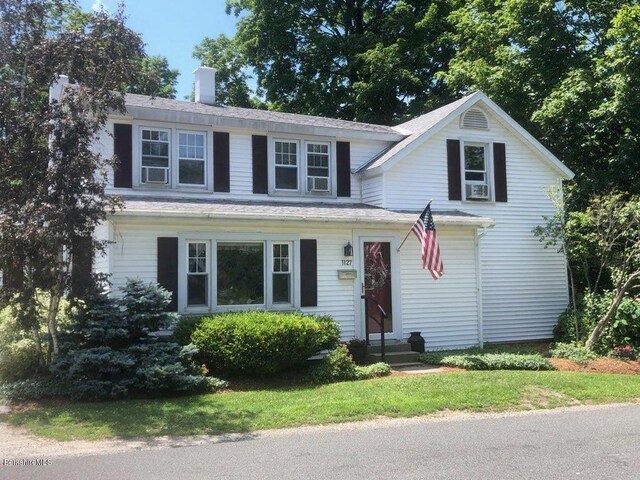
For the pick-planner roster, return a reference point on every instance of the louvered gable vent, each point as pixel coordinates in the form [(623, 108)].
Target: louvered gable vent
[(475, 118)]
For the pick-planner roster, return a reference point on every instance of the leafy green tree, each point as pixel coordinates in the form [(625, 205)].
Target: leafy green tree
[(367, 60), (155, 78), (567, 71), (224, 55), (51, 181), (603, 243)]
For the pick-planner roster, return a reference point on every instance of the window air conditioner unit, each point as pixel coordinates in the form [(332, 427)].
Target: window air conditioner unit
[(477, 191), (318, 184), (155, 175)]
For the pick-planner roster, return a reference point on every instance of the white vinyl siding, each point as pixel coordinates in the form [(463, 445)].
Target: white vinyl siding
[(446, 310), (524, 285)]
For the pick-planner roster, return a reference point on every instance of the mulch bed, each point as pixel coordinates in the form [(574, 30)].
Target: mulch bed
[(601, 365)]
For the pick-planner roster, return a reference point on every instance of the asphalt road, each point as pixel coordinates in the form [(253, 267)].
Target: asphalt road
[(593, 443)]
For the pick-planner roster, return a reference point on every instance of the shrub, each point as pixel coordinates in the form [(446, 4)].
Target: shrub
[(33, 389), (488, 361), (109, 353), (624, 329), (18, 361), (379, 369), (261, 343), (565, 330), (338, 366), (18, 356), (572, 351), (626, 352), (185, 327)]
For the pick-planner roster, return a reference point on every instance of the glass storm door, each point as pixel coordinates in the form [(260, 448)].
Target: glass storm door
[(377, 284)]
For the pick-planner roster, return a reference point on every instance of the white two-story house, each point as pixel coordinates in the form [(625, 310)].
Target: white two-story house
[(233, 208)]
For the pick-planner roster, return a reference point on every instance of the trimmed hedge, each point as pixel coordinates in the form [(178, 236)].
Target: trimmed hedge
[(488, 361), (262, 343)]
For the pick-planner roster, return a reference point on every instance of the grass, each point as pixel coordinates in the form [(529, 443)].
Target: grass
[(399, 396)]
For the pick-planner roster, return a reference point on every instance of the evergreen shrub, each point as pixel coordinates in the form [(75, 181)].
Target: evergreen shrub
[(262, 343), (109, 352)]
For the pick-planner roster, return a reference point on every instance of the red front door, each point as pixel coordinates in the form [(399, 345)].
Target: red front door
[(377, 284)]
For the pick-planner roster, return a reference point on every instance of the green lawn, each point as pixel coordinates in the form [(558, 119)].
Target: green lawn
[(399, 396)]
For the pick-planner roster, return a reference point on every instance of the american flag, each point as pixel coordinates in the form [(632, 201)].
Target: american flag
[(425, 230)]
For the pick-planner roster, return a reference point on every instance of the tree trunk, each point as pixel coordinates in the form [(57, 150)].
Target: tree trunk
[(38, 341), (52, 324), (611, 312)]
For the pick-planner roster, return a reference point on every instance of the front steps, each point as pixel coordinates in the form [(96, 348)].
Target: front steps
[(397, 354)]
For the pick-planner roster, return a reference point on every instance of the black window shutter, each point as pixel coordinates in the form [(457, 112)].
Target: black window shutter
[(500, 171), (308, 273), (81, 266), (168, 268), (122, 143), (260, 167), (453, 169), (221, 162), (343, 168)]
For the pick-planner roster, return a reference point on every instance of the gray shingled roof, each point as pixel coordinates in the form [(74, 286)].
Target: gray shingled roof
[(416, 128), (287, 211), (143, 101)]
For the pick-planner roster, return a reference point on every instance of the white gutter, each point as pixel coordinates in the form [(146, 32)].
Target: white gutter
[(480, 307)]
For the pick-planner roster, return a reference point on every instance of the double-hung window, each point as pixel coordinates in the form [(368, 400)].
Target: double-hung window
[(317, 167), (155, 164), (170, 157), (191, 158), (286, 165), (476, 170), (281, 273), (197, 274)]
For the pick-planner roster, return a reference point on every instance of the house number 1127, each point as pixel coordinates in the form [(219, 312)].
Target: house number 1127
[(347, 262)]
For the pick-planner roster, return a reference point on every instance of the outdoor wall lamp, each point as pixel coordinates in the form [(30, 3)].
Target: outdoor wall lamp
[(348, 250)]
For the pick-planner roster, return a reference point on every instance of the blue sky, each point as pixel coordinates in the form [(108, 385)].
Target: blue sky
[(173, 29)]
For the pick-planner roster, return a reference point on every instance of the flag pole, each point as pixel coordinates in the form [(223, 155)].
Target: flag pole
[(411, 229)]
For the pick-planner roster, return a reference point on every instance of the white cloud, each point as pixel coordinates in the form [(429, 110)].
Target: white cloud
[(98, 5)]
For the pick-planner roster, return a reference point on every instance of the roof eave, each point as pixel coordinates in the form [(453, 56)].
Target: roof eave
[(251, 217), (209, 119)]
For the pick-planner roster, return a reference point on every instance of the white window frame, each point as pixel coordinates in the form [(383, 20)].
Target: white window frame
[(213, 238), (205, 160), (329, 165), (270, 299), (298, 166), (141, 167), (208, 272), (302, 165), (488, 163), (173, 130)]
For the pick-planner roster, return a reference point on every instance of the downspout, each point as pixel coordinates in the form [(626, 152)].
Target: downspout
[(478, 237)]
